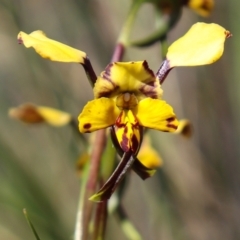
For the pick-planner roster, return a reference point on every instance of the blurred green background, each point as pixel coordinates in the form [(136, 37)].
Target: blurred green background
[(196, 195)]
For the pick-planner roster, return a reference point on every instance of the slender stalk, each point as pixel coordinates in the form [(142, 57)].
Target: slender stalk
[(30, 224), (91, 184), (118, 52), (127, 27), (100, 221), (91, 75), (85, 206)]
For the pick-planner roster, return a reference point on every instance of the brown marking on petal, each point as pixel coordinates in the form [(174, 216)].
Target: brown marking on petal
[(149, 91), (107, 72), (136, 124), (170, 119), (125, 141), (106, 76), (206, 5), (169, 124), (150, 94), (106, 92), (20, 41), (145, 65), (152, 83), (118, 122), (228, 34), (134, 143), (87, 125), (172, 126), (187, 130)]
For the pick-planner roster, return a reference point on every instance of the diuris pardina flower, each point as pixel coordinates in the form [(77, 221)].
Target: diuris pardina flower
[(128, 94)]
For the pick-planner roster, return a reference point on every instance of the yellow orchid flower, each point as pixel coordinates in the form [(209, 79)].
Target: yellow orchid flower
[(128, 97), (30, 113)]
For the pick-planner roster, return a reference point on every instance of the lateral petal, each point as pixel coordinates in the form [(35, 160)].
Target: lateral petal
[(50, 49), (156, 114), (202, 44), (97, 114)]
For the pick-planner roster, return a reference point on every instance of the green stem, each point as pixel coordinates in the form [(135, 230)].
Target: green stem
[(164, 47), (127, 27), (30, 224), (88, 187), (80, 228), (100, 221)]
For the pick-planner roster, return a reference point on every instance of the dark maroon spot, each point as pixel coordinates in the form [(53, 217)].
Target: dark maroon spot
[(107, 72), (20, 41), (87, 125), (118, 121), (171, 126), (149, 91), (145, 65), (152, 83), (170, 119), (228, 34), (135, 143), (124, 143)]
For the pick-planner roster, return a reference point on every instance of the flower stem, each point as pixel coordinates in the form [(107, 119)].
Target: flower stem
[(127, 27), (118, 52), (100, 221), (91, 180)]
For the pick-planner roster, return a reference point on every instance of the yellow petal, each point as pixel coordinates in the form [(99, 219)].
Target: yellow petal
[(134, 77), (53, 116), (202, 44), (30, 113), (51, 49), (156, 114), (26, 113), (148, 156), (97, 114), (202, 7)]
